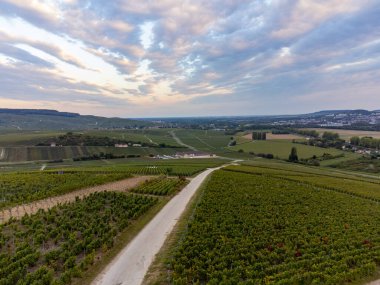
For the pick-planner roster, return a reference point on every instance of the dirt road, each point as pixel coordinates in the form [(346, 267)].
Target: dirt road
[(132, 263), (31, 208)]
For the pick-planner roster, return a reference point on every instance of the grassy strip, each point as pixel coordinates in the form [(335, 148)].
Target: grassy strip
[(122, 240), (157, 272)]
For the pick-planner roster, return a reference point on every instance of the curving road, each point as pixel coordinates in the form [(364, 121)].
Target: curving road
[(132, 263)]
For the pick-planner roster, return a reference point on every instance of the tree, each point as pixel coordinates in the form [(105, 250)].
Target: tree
[(355, 140), (330, 136), (293, 157)]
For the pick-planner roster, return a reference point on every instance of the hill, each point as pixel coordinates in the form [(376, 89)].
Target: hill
[(33, 119)]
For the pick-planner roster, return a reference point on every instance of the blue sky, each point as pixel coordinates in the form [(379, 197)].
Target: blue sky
[(188, 58)]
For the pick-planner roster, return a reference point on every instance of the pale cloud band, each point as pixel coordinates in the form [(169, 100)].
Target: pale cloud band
[(158, 58)]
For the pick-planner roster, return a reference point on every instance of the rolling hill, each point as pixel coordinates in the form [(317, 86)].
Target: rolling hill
[(33, 119)]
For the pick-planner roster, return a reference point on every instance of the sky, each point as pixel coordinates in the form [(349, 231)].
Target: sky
[(166, 58)]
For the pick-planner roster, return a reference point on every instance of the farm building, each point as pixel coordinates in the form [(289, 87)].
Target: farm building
[(193, 154), (121, 145)]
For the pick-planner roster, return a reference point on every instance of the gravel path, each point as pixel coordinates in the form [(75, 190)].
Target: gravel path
[(132, 263), (31, 208)]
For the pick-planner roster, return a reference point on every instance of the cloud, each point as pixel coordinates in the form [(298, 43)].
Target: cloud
[(189, 57)]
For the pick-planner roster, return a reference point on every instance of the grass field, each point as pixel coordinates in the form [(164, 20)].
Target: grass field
[(281, 148), (252, 225)]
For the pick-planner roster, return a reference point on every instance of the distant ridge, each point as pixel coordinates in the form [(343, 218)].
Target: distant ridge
[(45, 119), (46, 112), (328, 112)]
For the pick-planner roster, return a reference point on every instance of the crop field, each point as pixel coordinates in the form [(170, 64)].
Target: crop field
[(25, 138), (19, 154), (258, 228), (204, 140), (136, 165), (347, 134), (160, 186), (59, 245), (369, 189), (281, 148), (361, 164), (157, 136), (19, 188), (271, 136)]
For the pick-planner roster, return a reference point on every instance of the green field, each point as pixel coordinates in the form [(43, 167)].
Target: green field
[(19, 154), (281, 148), (59, 245), (25, 187), (21, 146), (255, 225), (20, 188), (204, 140)]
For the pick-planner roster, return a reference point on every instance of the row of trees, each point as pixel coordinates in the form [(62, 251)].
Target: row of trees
[(368, 142), (261, 136)]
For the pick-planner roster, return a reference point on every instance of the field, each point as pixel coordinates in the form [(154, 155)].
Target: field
[(19, 188), (21, 146), (361, 164), (60, 245), (56, 246), (162, 186), (347, 134), (45, 153), (281, 148), (271, 136), (259, 225), (204, 140)]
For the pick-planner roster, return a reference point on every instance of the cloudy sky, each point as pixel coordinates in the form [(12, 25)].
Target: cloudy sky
[(180, 58)]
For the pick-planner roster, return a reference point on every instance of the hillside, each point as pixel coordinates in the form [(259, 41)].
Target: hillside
[(33, 119)]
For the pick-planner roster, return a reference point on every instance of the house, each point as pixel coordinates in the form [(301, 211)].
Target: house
[(53, 144)]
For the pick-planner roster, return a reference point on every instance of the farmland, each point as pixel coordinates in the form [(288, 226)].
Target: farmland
[(162, 186), (347, 134), (60, 245), (281, 148), (25, 187), (204, 140), (252, 226), (45, 153), (56, 246), (19, 188)]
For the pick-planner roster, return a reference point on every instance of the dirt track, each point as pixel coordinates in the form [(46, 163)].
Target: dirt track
[(31, 208)]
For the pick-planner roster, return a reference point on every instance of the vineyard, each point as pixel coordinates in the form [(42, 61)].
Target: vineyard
[(354, 186), (161, 186), (259, 228), (18, 188), (57, 245)]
